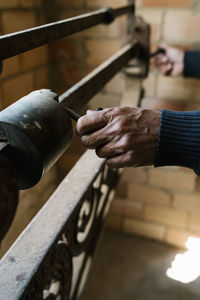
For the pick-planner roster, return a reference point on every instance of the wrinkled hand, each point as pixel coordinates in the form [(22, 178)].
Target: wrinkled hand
[(125, 136), (172, 62)]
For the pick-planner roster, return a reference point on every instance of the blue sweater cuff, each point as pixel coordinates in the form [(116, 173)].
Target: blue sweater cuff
[(192, 64), (179, 140)]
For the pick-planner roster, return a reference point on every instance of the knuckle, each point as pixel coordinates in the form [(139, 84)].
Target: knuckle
[(130, 157), (80, 126), (117, 128), (125, 143), (86, 141), (116, 110)]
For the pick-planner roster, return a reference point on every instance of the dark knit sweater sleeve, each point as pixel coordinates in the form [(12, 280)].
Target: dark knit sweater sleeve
[(179, 140), (192, 64)]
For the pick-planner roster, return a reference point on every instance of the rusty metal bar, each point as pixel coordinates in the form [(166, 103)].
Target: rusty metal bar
[(21, 41), (124, 10), (78, 95)]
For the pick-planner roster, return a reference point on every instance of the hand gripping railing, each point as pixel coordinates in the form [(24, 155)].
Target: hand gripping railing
[(51, 258)]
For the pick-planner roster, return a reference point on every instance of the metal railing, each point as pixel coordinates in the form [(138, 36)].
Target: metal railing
[(51, 258), (19, 42), (52, 255), (90, 85)]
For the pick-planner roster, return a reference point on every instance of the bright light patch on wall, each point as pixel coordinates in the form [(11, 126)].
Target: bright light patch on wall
[(186, 267)]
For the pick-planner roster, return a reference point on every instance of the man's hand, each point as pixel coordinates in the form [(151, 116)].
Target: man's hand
[(172, 62), (125, 136)]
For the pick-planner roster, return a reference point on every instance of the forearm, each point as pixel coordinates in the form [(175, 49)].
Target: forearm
[(192, 64), (179, 140)]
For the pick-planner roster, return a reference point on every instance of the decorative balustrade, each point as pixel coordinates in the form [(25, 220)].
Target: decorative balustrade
[(53, 253), (52, 256)]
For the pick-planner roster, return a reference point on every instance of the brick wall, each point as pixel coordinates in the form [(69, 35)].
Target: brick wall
[(164, 203)]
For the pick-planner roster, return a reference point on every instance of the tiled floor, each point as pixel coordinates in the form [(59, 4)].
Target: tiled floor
[(132, 268)]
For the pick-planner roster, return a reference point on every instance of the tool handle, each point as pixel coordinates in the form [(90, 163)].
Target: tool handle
[(73, 114), (162, 51), (159, 51)]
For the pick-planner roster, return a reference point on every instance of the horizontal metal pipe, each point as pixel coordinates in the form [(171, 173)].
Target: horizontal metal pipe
[(21, 41), (124, 10), (78, 95)]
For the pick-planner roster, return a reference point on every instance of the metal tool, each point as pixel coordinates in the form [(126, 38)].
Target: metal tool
[(73, 114)]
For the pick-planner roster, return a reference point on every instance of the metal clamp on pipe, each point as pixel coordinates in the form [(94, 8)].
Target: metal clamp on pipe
[(37, 130), (110, 15)]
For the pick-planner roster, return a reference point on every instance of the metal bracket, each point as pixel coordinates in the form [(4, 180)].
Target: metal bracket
[(110, 15), (140, 31)]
